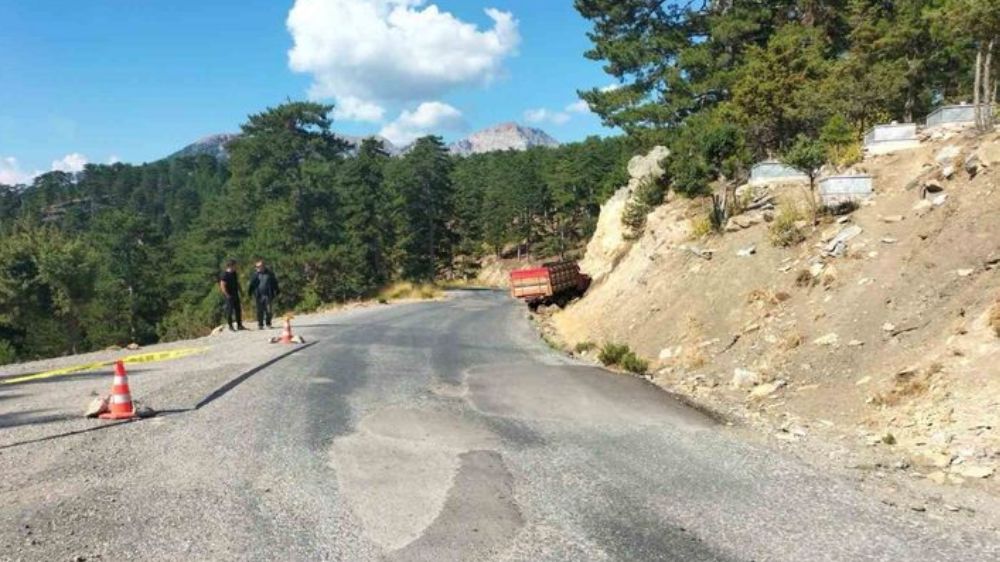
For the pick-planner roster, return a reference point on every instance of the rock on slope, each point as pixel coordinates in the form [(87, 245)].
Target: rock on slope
[(506, 136), (609, 244), (887, 347)]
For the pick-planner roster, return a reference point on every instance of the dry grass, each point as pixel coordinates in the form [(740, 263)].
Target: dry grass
[(701, 227), (805, 279), (791, 341), (995, 318), (767, 296), (693, 354), (405, 290), (693, 358), (758, 295), (908, 384)]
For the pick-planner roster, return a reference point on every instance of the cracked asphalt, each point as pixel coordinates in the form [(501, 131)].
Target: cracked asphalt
[(437, 431)]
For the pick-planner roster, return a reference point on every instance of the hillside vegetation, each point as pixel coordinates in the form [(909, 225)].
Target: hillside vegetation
[(124, 253), (119, 254)]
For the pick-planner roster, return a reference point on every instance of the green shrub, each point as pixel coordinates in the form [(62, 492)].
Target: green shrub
[(783, 231), (612, 354), (7, 354), (841, 142), (310, 302), (619, 355), (648, 196), (634, 364), (584, 346)]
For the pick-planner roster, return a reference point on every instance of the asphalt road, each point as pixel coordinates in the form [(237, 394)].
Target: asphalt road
[(430, 431)]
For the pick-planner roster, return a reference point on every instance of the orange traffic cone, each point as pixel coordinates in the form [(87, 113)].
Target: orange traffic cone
[(286, 334), (121, 397)]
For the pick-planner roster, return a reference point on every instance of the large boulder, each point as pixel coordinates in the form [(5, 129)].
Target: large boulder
[(947, 154), (650, 166), (989, 153), (610, 244)]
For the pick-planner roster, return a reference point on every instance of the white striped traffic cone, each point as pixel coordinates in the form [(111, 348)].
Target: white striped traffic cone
[(121, 397)]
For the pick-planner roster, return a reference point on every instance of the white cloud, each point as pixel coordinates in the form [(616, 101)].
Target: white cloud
[(542, 115), (11, 173), (428, 118), (113, 159), (71, 163), (355, 109), (365, 53)]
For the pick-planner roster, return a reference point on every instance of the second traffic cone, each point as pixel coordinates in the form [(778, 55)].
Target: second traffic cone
[(121, 398), (286, 334)]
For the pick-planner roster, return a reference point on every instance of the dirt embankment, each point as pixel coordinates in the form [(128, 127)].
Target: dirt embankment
[(883, 348)]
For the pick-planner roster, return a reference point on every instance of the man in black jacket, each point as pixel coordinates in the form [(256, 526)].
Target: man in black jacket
[(229, 284), (264, 288)]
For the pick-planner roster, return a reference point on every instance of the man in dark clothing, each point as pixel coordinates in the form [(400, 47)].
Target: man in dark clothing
[(229, 284), (264, 288)]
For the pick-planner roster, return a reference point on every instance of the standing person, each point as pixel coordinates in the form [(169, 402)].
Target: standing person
[(229, 284), (264, 288)]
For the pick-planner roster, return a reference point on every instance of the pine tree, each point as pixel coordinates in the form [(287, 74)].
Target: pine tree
[(978, 22), (365, 221), (424, 197), (778, 91), (46, 281)]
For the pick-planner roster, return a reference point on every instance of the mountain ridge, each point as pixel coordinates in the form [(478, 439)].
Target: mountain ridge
[(501, 137), (504, 136)]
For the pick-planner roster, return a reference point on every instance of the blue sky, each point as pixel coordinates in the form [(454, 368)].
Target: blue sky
[(137, 79)]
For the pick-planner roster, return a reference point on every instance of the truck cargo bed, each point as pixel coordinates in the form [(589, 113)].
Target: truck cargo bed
[(539, 284)]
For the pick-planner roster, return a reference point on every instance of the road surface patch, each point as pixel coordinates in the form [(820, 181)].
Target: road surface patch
[(397, 470), (479, 518)]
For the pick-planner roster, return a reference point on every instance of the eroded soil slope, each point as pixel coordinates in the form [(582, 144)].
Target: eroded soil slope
[(881, 348)]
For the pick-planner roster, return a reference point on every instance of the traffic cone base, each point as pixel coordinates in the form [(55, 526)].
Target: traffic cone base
[(122, 416), (286, 334)]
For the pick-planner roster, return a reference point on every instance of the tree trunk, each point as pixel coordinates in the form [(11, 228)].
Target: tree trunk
[(987, 89), (977, 87), (993, 97), (131, 314)]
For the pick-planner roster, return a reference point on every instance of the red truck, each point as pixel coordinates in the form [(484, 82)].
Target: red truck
[(552, 283)]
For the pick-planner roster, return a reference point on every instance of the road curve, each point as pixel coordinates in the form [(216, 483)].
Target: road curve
[(430, 431)]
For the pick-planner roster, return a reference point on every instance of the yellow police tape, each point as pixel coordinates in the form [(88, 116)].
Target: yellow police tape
[(141, 358)]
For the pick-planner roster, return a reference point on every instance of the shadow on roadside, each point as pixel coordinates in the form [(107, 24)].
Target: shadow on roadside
[(215, 395), (18, 419)]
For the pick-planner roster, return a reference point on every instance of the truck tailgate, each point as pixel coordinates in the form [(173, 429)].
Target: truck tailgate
[(531, 283)]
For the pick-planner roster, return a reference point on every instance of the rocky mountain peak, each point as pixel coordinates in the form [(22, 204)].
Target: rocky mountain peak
[(505, 136)]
